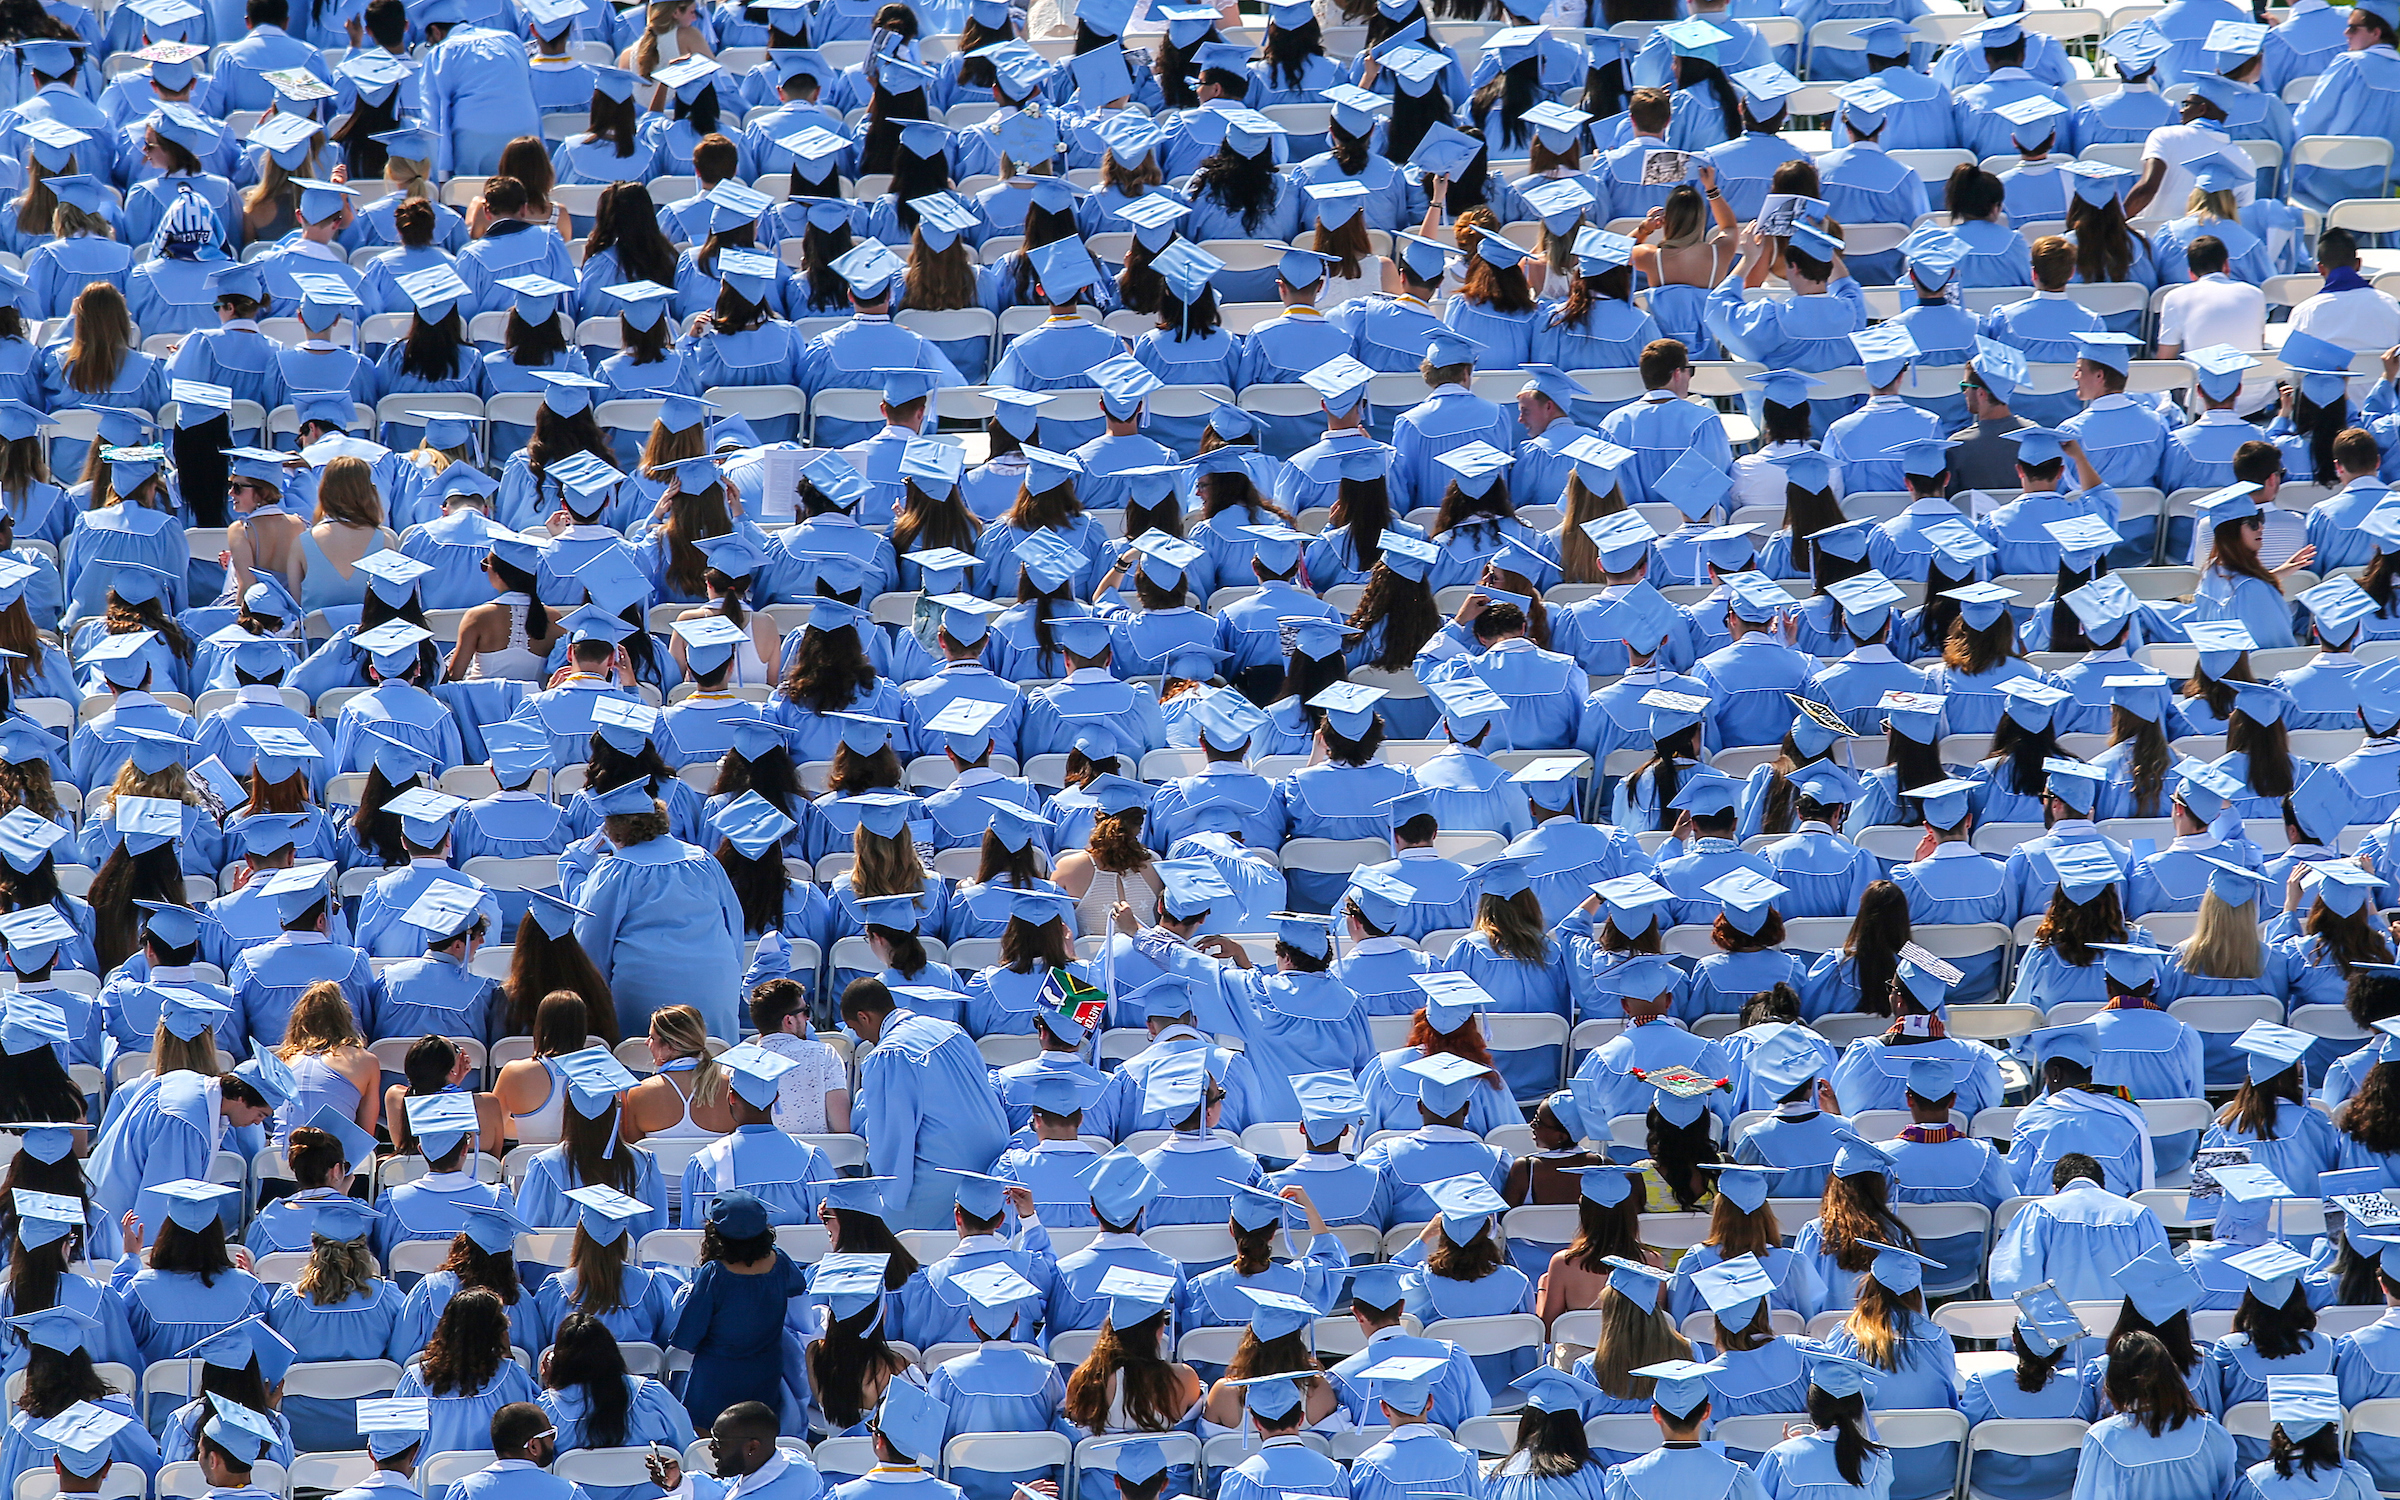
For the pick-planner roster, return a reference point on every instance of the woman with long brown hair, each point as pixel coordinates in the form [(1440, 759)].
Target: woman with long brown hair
[(2107, 246), (1128, 1383), (2236, 585), (626, 247), (434, 356), (2150, 1431), (2269, 1113), (603, 1280), (1608, 1227), (2085, 909), (1275, 1341), (1694, 246), (467, 1363), (1112, 869), (99, 364), (1854, 1224), (548, 960), (1511, 953), (1397, 614), (149, 823), (2138, 756), (612, 149)]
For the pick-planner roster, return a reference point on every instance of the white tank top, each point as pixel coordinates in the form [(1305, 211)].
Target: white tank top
[(516, 661), (547, 1124)]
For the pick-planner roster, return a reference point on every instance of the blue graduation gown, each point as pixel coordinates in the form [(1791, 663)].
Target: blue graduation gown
[(785, 1173), (664, 928), (365, 1325)]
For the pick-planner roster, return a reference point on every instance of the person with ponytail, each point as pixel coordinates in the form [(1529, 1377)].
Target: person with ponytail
[(1838, 1460)]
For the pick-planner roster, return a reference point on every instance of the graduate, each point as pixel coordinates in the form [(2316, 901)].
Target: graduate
[(1682, 1401), (997, 1389), (1415, 1457), (336, 1311), (784, 1173), (602, 1284), (925, 1102), (1838, 1458), (448, 1199), (2043, 1382), (1755, 1369)]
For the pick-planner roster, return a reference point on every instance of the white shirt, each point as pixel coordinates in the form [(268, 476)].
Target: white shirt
[(2358, 320), (2178, 146), (2216, 309)]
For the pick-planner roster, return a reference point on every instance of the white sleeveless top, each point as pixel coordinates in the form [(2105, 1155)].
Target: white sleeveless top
[(547, 1124), (517, 661)]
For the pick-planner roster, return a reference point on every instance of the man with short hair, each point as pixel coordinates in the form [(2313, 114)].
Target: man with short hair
[(2346, 310), (1376, 1301), (231, 1444), (524, 1445), (2336, 525), (2213, 308), (748, 1460), (2078, 1238), (513, 237), (925, 1102), (1416, 1461), (1665, 423), (1681, 1464)]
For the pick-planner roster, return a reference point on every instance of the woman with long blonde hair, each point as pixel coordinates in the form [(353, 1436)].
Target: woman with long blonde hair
[(687, 1098), (2227, 955), (670, 30), (271, 208), (331, 1066), (1637, 1329)]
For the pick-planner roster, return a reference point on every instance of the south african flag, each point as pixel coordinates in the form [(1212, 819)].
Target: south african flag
[(1080, 1002)]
